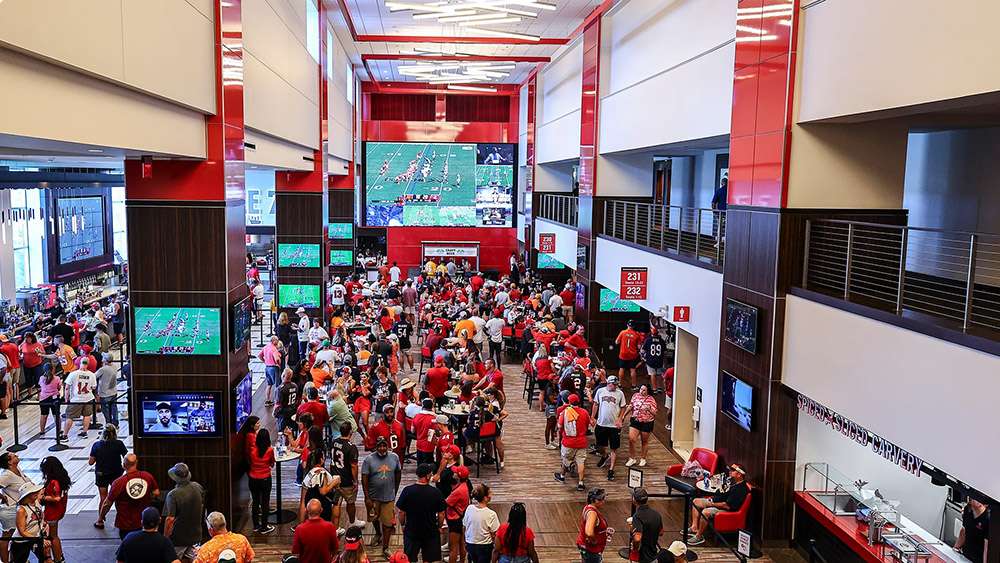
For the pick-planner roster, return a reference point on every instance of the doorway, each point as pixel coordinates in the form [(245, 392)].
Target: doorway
[(685, 388), (661, 181)]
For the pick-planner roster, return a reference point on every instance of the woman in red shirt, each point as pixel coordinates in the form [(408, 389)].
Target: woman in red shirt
[(54, 498), (594, 531), (32, 352), (515, 542), (261, 462), (456, 503)]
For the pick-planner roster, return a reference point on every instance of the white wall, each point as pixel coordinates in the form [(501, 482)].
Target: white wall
[(565, 240), (625, 175), (670, 72), (920, 501), (672, 282), (521, 224), (558, 106), (340, 108), (554, 177), (894, 54), (282, 82), (926, 395)]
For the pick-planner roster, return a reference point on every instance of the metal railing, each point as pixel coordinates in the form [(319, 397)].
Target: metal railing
[(559, 208), (694, 232), (950, 275)]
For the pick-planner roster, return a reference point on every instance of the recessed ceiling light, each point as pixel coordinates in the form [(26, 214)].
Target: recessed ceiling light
[(95, 150)]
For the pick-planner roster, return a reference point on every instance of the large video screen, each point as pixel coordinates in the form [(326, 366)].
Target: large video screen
[(191, 414), (737, 400), (244, 400), (292, 295), (611, 302), (298, 255), (741, 325), (341, 257), (81, 235), (548, 262), (340, 231), (185, 331), (439, 184), (242, 321)]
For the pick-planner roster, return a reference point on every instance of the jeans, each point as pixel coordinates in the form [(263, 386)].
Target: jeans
[(588, 557), (109, 406), (260, 501), (479, 552), (496, 350), (303, 348)]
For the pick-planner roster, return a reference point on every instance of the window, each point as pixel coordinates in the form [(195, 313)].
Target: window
[(350, 81), (312, 29), (27, 238), (329, 55), (118, 224)]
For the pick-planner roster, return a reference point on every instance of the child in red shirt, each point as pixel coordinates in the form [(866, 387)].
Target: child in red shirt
[(54, 498)]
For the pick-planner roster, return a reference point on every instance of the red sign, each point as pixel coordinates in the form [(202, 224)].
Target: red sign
[(547, 243), (682, 313), (634, 282)]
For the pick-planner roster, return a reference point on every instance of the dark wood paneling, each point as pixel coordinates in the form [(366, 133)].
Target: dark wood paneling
[(737, 246), (762, 252), (782, 423), (177, 248), (341, 205), (300, 214), (474, 109)]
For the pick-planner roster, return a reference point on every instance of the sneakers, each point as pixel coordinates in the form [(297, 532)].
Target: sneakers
[(580, 486), (603, 461), (359, 523), (630, 462), (266, 529), (559, 477), (611, 474), (697, 540), (642, 462), (341, 532), (551, 447)]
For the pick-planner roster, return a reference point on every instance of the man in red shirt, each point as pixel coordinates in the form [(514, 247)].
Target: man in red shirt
[(544, 336), (476, 281), (390, 429), (568, 295), (314, 407), (575, 341), (13, 357), (425, 429), (628, 342), (492, 377), (315, 540), (436, 382), (131, 494), (572, 423)]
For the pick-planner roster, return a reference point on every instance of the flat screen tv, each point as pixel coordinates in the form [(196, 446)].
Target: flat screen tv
[(244, 399), (193, 414), (242, 320), (340, 231), (298, 255), (294, 296), (737, 400), (611, 302), (439, 184), (183, 331), (741, 325), (341, 257), (549, 262), (81, 228)]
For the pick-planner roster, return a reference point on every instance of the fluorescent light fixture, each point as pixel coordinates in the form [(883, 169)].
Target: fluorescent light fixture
[(487, 74), (495, 8), (95, 150), (476, 17), (471, 88), (435, 15), (400, 6), (756, 38), (534, 5), (498, 33), (493, 21)]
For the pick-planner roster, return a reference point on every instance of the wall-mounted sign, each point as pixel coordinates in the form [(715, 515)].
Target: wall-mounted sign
[(547, 243), (854, 431), (682, 314), (451, 251), (582, 257), (634, 281)]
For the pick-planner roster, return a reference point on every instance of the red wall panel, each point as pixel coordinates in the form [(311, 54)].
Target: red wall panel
[(477, 108), (438, 132), (402, 107), (495, 245)]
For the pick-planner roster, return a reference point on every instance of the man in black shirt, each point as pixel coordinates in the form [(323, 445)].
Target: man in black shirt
[(344, 464), (288, 401), (63, 329), (975, 530), (705, 509), (147, 545), (421, 512), (383, 390), (647, 525)]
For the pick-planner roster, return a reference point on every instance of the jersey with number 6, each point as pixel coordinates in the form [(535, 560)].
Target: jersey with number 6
[(343, 457), (80, 386)]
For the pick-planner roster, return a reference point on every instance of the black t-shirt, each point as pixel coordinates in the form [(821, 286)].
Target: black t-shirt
[(976, 532), (344, 456), (108, 456), (288, 398), (734, 497), (383, 392), (648, 522), (392, 293), (403, 329), (421, 503), (146, 547), (384, 348), (64, 330)]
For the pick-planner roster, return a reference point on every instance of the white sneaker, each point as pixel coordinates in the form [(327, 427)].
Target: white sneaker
[(552, 446), (359, 523), (630, 462), (642, 462)]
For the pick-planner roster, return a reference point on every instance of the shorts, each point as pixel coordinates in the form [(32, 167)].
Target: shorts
[(425, 457), (49, 406), (405, 345), (571, 455), (608, 436), (658, 372), (105, 479), (428, 545), (349, 494), (8, 517), (709, 512), (17, 376), (385, 512), (271, 373), (641, 426), (409, 310), (74, 412), (455, 526), (185, 552), (628, 364)]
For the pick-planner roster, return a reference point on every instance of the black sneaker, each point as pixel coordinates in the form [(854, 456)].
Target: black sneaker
[(3, 416), (603, 461), (559, 477), (580, 486), (611, 475)]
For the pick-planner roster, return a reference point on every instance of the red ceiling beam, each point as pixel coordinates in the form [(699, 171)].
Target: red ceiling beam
[(470, 58)]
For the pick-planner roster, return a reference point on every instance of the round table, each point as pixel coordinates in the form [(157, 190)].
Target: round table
[(452, 394), (280, 515), (710, 489)]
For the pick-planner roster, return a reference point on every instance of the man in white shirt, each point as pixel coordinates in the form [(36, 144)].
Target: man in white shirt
[(79, 386), (303, 331), (494, 329), (338, 293), (607, 415), (395, 272), (502, 296), (555, 302), (257, 289)]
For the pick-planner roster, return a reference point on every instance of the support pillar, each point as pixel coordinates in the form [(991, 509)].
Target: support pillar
[(186, 241)]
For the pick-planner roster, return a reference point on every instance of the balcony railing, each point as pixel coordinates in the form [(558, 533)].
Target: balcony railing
[(948, 275), (685, 231), (559, 208)]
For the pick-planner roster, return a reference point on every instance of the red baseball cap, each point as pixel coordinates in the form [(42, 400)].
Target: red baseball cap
[(399, 557), (574, 399), (460, 471)]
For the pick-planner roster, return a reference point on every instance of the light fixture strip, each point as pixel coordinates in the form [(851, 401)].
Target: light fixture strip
[(510, 34), (493, 21)]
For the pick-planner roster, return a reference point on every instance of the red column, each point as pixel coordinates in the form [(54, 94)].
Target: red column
[(590, 103), (529, 184)]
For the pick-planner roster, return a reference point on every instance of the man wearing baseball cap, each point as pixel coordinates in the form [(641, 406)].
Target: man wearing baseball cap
[(572, 423), (147, 545), (704, 509), (676, 552), (608, 414)]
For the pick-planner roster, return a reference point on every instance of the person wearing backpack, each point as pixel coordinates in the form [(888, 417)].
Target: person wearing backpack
[(319, 484), (572, 423)]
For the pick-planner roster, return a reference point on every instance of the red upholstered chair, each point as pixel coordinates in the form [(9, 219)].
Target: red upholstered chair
[(728, 522), (425, 356), (705, 457)]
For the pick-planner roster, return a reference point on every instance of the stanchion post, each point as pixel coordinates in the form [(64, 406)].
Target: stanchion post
[(94, 425), (17, 446), (58, 446)]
